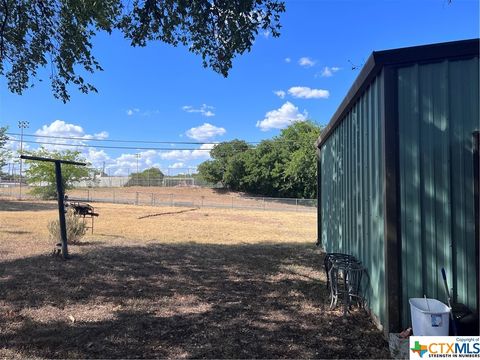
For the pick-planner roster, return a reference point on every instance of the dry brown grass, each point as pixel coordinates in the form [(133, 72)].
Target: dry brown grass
[(197, 284), (24, 224)]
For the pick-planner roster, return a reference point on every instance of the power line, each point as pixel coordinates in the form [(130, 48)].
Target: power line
[(124, 141), (110, 147)]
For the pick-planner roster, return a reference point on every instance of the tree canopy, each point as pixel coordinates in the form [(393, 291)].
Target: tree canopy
[(148, 177), (284, 166), (221, 168), (3, 153), (59, 33), (41, 174)]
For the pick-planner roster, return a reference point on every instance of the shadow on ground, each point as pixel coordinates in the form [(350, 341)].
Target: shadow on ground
[(7, 205), (187, 300)]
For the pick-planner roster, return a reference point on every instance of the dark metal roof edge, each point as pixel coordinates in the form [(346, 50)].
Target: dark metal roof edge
[(396, 57)]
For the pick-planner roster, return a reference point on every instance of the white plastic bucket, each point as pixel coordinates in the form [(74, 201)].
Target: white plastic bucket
[(429, 320)]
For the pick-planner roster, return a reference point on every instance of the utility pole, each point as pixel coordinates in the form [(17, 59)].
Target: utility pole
[(22, 125), (138, 157)]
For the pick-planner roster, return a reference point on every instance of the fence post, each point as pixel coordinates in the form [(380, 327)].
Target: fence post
[(296, 204), (88, 194), (232, 201), (136, 198), (263, 203), (171, 199), (114, 200), (153, 200)]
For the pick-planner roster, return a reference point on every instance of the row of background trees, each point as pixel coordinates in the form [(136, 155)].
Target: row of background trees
[(284, 166)]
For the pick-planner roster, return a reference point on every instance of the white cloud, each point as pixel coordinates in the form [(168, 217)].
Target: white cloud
[(181, 155), (329, 71), (204, 110), (130, 112), (99, 136), (282, 117), (186, 155), (280, 93), (63, 129), (202, 152), (60, 128), (150, 112), (306, 62), (96, 157), (116, 164), (13, 144), (266, 34), (12, 147), (119, 165), (287, 60), (177, 165), (305, 92), (127, 163), (205, 132), (137, 111)]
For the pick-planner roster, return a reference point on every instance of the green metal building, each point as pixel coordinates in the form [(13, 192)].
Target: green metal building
[(397, 181)]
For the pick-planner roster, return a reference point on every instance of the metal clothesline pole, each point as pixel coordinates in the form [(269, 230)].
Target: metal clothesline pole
[(60, 195)]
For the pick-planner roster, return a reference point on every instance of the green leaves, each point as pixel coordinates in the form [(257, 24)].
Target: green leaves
[(211, 171), (215, 30), (221, 169), (148, 177), (41, 174), (58, 34), (284, 166), (3, 153)]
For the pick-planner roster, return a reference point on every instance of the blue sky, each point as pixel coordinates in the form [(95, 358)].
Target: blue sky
[(162, 93)]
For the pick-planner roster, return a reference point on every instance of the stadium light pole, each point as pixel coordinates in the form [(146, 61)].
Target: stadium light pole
[(22, 125)]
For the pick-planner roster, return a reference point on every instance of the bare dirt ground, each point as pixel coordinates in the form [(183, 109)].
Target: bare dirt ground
[(197, 284), (176, 190)]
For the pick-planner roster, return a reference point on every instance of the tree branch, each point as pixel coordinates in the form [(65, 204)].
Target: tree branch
[(2, 30)]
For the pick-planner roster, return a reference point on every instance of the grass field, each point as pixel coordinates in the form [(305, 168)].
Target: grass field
[(183, 283)]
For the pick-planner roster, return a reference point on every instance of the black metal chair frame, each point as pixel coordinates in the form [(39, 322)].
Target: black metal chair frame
[(344, 276), (330, 258)]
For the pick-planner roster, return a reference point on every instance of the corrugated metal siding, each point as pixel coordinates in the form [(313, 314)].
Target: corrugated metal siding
[(438, 111), (352, 181)]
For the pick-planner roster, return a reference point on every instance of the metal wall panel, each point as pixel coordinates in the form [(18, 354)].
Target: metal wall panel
[(438, 109), (352, 182)]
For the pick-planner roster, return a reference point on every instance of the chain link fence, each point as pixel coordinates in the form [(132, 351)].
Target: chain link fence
[(180, 198), (171, 190), (166, 181)]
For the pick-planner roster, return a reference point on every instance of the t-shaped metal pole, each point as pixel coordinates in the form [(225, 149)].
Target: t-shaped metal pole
[(60, 195)]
